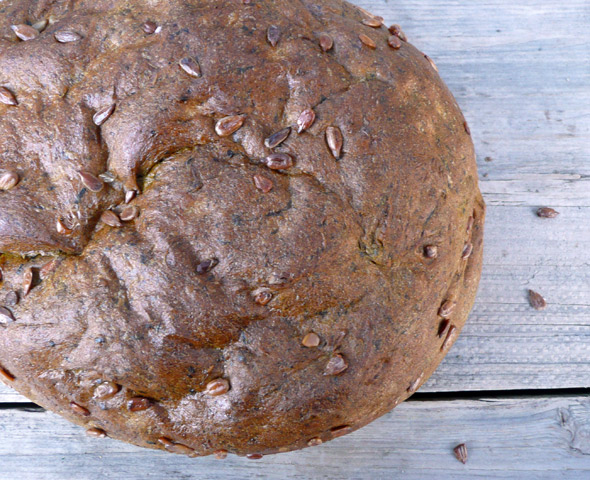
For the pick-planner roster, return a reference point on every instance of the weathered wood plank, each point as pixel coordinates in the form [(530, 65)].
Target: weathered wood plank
[(521, 73), (526, 438)]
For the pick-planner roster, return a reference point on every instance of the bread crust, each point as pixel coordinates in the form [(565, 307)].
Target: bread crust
[(188, 327)]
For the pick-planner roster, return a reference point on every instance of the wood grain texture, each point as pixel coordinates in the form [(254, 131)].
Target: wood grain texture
[(526, 438)]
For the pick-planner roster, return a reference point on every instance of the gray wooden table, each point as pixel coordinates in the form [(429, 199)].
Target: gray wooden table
[(516, 386)]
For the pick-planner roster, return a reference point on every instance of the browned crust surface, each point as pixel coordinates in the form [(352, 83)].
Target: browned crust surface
[(337, 245)]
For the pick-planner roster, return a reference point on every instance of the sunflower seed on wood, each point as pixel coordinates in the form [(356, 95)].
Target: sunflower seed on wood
[(536, 300), (461, 453), (326, 42), (277, 138), (374, 22), (129, 213), (91, 182), (279, 161), (28, 279), (96, 432), (7, 97), (111, 219), (190, 66), (228, 125), (130, 195), (451, 334), (394, 42), (467, 251), (398, 32), (6, 375), (79, 409), (6, 315), (67, 36), (334, 141), (305, 120), (40, 25), (103, 114), (273, 34), (336, 365), (368, 41), (446, 308), (217, 387), (149, 27), (433, 65), (547, 212), (25, 32), (8, 180), (11, 299), (61, 228), (263, 183)]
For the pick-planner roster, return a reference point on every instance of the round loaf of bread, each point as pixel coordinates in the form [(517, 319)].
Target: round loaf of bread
[(227, 226)]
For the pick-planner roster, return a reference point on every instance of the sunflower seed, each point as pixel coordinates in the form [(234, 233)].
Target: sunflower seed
[(536, 300), (310, 340), (335, 365), (67, 36), (79, 409), (446, 308), (6, 375), (206, 266), (305, 120), (25, 32), (544, 212), (451, 334), (228, 125), (430, 251), (394, 42), (279, 161), (91, 182), (277, 138), (8, 180), (6, 315), (374, 22), (106, 390), (443, 327), (103, 114), (137, 404), (220, 454), (433, 65), (334, 141), (96, 432), (342, 430), (11, 299), (326, 42), (40, 25), (461, 453), (130, 195), (262, 296), (129, 213), (61, 228), (467, 251), (263, 183), (217, 387), (190, 66), (28, 278), (7, 97), (149, 27), (398, 32), (368, 41), (314, 442), (111, 219), (415, 384), (273, 34)]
